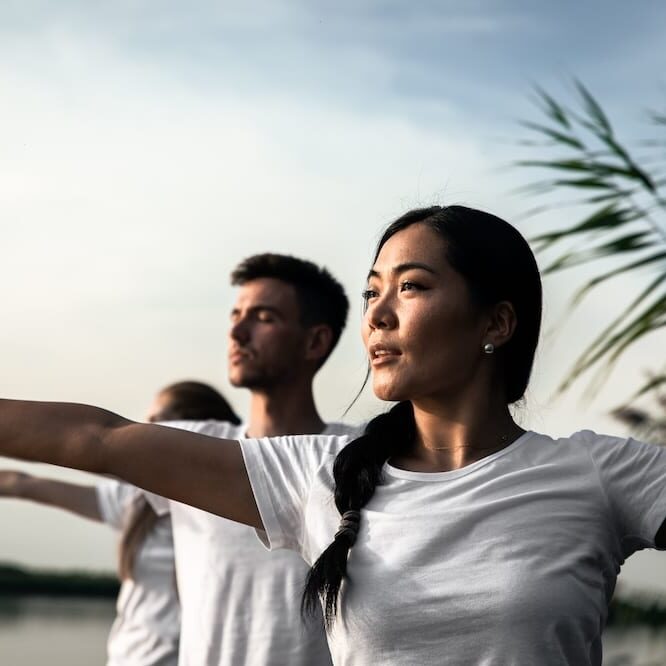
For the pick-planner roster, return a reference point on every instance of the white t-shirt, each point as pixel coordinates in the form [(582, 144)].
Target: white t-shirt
[(509, 561), (240, 604), (145, 631)]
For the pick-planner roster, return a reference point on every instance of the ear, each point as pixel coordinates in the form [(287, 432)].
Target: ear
[(318, 342), (501, 325)]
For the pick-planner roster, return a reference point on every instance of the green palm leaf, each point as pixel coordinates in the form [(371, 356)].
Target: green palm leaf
[(659, 258), (624, 218)]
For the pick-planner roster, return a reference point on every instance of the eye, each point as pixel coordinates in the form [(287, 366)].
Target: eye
[(408, 285), (367, 294), (265, 316)]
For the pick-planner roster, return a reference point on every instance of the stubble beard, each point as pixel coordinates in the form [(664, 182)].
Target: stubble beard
[(253, 381)]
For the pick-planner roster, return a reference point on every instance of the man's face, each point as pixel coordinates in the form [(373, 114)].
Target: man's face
[(266, 339), (160, 403)]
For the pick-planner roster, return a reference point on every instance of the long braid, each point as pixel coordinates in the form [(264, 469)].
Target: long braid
[(141, 520), (357, 471)]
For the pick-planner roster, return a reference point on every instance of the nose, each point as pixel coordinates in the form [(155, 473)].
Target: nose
[(239, 331), (380, 313)]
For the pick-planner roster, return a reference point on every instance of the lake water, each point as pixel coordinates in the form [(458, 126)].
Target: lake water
[(37, 631), (635, 647)]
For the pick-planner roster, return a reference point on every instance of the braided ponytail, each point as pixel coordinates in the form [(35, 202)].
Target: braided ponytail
[(357, 471)]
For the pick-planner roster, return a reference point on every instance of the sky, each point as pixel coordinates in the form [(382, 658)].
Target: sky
[(147, 147)]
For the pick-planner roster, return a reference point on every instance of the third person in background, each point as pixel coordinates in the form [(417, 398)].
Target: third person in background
[(147, 625)]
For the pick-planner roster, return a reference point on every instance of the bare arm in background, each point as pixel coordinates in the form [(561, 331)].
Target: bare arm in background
[(75, 498), (205, 472)]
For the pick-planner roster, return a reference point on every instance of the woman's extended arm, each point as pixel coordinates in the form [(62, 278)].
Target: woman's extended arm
[(203, 471), (78, 499)]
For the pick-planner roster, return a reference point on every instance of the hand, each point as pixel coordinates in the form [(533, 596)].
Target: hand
[(10, 482)]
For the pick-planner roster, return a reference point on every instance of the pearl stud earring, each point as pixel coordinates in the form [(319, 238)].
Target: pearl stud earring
[(489, 348)]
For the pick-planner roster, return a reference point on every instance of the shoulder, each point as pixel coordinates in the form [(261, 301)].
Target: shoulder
[(290, 453), (611, 456), (589, 438), (581, 442), (344, 429), (582, 449), (320, 445), (604, 446), (221, 429), (114, 499), (117, 491)]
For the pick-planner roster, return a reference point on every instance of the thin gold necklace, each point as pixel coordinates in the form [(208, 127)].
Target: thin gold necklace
[(503, 439)]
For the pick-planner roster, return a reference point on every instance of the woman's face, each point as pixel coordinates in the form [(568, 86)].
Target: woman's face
[(423, 334)]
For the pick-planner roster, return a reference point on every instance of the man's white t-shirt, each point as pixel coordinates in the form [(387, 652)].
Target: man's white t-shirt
[(511, 560), (240, 604), (145, 631)]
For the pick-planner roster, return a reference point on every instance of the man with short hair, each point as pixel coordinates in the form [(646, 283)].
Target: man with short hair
[(240, 603)]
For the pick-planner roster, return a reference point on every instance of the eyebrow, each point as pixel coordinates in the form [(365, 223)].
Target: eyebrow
[(401, 268), (255, 308)]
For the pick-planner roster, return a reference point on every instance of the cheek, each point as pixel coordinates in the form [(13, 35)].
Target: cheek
[(425, 330), (447, 338), (285, 346), (365, 332)]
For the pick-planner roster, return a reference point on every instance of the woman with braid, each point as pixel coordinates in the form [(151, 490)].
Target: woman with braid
[(445, 533), (147, 625)]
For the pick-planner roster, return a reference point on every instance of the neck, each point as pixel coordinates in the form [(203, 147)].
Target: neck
[(284, 410), (452, 436)]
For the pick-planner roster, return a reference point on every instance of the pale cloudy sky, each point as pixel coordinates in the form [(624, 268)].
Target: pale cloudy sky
[(146, 147)]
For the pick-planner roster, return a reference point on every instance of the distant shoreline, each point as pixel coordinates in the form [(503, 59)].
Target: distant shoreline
[(19, 581)]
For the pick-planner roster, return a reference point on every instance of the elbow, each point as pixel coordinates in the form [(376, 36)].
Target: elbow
[(100, 446)]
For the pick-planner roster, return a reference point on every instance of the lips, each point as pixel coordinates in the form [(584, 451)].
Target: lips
[(238, 355), (381, 353)]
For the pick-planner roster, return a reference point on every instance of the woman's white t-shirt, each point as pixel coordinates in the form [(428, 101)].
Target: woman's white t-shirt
[(511, 560), (147, 625)]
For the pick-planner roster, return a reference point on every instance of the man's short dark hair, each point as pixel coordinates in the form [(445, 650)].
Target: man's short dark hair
[(321, 298)]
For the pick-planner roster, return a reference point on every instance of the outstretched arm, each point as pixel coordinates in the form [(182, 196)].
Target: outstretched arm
[(203, 471), (78, 499)]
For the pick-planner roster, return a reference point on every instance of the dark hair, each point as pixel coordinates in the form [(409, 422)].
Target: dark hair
[(187, 401), (195, 401), (321, 298), (497, 265)]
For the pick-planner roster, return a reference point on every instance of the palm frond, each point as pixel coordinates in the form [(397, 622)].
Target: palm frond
[(594, 110), (629, 243), (551, 108), (645, 422), (606, 218), (653, 384), (660, 257), (620, 334), (555, 135), (624, 218)]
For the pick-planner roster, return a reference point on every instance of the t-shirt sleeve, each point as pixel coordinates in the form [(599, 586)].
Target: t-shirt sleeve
[(281, 471), (113, 501), (160, 505), (633, 478)]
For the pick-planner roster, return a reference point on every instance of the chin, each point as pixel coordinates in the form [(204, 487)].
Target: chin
[(389, 392), (241, 380), (235, 380)]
